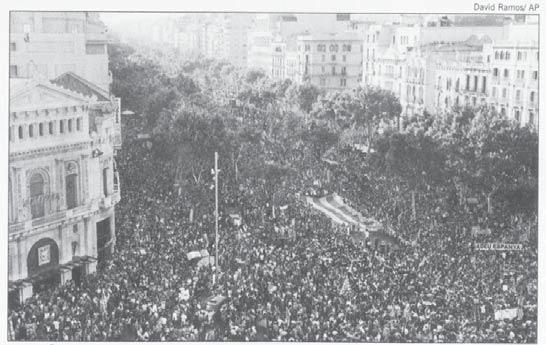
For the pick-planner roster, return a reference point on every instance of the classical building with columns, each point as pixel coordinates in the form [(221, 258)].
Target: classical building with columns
[(63, 183)]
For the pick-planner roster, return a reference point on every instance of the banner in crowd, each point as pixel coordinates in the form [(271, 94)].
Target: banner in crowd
[(509, 314), (477, 230), (498, 246)]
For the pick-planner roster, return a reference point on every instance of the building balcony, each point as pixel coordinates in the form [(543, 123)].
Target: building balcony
[(49, 219)]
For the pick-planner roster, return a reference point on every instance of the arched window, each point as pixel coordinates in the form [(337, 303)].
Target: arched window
[(70, 125), (41, 129), (50, 127), (37, 193), (71, 185), (30, 131), (75, 249), (20, 132), (502, 55)]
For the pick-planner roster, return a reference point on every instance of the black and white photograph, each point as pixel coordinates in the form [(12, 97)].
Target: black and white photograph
[(272, 176)]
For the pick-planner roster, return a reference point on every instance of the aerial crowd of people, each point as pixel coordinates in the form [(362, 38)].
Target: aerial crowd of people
[(320, 282)]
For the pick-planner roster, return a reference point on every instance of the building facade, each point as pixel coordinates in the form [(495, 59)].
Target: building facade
[(330, 61), (63, 184), (437, 68), (51, 43), (64, 131)]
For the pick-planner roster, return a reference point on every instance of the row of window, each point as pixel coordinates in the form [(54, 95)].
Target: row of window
[(504, 94), (505, 55), (47, 128), (332, 47), (342, 82), (343, 70), (332, 58)]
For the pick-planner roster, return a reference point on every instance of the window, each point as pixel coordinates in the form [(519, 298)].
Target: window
[(484, 84), (535, 75), (467, 83), (518, 95), (79, 124), (506, 73), (475, 83), (507, 55), (495, 72), (334, 48), (61, 126), (71, 185), (20, 132), (517, 115), (343, 82), (333, 70), (36, 185), (41, 129), (321, 47), (307, 47), (50, 127), (333, 58), (346, 47), (519, 55), (532, 96), (12, 46), (393, 39), (31, 131), (343, 70), (496, 55), (502, 55), (504, 93), (531, 117), (70, 125), (13, 73)]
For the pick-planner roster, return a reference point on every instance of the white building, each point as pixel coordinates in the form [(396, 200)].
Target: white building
[(51, 43), (330, 61), (62, 182)]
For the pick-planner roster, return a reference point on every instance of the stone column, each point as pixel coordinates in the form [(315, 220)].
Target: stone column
[(66, 275), (25, 291), (21, 258)]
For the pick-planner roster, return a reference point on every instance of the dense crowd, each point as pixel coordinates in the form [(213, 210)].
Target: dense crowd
[(321, 283)]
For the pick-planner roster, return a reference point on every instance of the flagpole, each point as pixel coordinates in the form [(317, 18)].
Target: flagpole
[(216, 213)]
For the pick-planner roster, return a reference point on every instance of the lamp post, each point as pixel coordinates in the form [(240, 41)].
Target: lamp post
[(216, 215)]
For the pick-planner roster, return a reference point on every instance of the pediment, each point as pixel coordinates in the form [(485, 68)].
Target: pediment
[(43, 96)]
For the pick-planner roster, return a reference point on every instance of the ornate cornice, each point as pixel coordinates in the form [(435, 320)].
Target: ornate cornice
[(45, 151)]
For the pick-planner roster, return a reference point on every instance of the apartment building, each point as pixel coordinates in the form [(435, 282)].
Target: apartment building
[(52, 43), (331, 61)]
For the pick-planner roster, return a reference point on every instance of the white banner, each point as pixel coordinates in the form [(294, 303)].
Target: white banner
[(499, 246), (44, 255), (506, 314)]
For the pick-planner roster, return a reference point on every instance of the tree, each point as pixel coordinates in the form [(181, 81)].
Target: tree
[(361, 108)]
